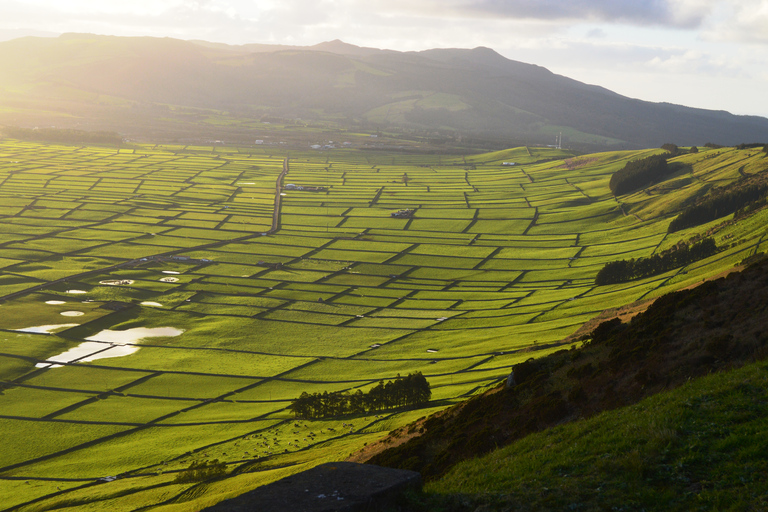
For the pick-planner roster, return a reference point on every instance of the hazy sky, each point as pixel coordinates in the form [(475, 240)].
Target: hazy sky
[(701, 53)]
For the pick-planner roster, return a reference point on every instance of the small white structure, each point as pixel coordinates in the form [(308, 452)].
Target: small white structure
[(508, 163)]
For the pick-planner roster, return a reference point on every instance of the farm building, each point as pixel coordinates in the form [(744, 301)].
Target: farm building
[(401, 214)]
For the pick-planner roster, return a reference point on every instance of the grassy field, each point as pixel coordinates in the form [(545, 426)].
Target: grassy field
[(495, 264)]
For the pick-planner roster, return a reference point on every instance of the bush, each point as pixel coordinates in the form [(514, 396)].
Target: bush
[(639, 173), (720, 203), (627, 270)]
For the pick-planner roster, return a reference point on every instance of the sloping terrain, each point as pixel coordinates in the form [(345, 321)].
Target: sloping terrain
[(125, 84), (697, 447), (688, 334)]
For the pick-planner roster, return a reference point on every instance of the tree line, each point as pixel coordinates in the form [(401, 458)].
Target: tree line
[(679, 256), (720, 202), (63, 135), (639, 173), (407, 391)]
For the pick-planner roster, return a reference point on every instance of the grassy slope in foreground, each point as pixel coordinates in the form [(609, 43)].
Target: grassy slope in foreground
[(699, 447)]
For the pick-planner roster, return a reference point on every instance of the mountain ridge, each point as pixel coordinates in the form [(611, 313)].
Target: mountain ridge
[(460, 92)]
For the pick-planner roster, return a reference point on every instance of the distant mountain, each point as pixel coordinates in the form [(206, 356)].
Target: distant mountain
[(477, 93)]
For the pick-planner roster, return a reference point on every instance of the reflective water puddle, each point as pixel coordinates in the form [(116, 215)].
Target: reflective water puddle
[(107, 343)]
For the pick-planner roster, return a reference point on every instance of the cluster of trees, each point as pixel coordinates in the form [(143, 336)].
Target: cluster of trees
[(751, 145), (638, 173), (672, 148), (720, 202), (410, 390), (63, 135), (681, 255)]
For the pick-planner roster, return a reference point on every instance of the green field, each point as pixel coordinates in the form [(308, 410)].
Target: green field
[(495, 265)]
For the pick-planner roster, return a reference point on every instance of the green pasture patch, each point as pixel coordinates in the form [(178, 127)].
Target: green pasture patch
[(364, 300), (152, 357), (369, 246), (393, 323), (561, 276), (254, 301), (422, 237), (380, 269), (416, 284), (202, 224), (448, 225), (512, 226), (459, 251), (140, 448), (468, 305), (355, 279), (319, 265), (400, 312), (288, 274), (125, 409), (343, 255), (89, 215), (45, 213), (227, 269), (377, 223), (291, 240), (541, 252), (31, 347), (505, 213), (27, 312), (58, 267), (23, 254), (310, 220), (286, 315), (526, 264), (427, 304), (364, 373), (230, 412), (219, 309), (34, 439), (333, 308), (203, 234), (445, 213), (225, 288), (418, 260), (257, 225)]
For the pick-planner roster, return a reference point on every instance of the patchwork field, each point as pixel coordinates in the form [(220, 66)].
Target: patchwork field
[(153, 317)]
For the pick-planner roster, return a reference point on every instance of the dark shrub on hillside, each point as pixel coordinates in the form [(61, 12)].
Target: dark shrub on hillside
[(720, 203), (750, 145), (627, 270), (672, 148), (639, 173)]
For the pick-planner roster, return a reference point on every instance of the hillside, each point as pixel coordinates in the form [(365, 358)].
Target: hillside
[(199, 89), (684, 335), (697, 447)]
